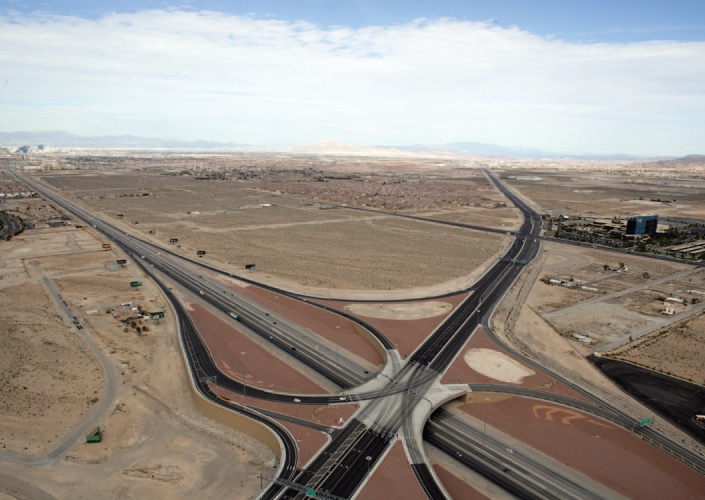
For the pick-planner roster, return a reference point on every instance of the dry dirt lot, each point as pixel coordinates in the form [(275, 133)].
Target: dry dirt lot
[(48, 377), (519, 320), (155, 443), (501, 217), (608, 193), (610, 313), (675, 350), (291, 239)]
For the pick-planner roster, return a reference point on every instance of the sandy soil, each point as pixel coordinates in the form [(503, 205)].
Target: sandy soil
[(517, 321), (155, 443), (330, 327), (401, 310), (500, 217), (44, 392), (308, 440), (496, 365), (312, 247), (50, 250), (676, 350), (607, 194), (499, 366)]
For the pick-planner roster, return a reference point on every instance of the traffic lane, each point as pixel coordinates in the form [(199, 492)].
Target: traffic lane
[(501, 475), (605, 452), (470, 440), (303, 349), (337, 368)]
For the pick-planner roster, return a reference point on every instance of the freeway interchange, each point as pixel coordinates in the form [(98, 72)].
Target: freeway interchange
[(388, 400)]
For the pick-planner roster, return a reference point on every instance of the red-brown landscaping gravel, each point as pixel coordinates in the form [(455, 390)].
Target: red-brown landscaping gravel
[(258, 367), (406, 335), (393, 479), (456, 487), (308, 440), (460, 372), (602, 451), (318, 320), (325, 415)]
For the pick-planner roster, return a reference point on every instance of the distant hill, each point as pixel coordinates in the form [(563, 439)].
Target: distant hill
[(691, 159), (679, 162), (472, 148), (325, 147), (336, 147), (68, 140), (484, 149)]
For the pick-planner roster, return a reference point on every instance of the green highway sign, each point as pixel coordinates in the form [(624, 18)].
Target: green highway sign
[(311, 492), (646, 421), (135, 284)]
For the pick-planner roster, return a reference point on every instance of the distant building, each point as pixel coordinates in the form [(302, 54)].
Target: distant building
[(642, 224)]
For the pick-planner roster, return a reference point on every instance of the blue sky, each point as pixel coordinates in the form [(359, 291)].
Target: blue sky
[(574, 20), (580, 77)]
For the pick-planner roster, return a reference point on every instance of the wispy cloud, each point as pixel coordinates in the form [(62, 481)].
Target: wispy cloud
[(216, 76)]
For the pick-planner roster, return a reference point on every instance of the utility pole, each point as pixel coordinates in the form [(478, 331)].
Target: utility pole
[(484, 427)]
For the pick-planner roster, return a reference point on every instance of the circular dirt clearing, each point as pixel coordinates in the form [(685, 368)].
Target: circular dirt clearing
[(407, 310), (496, 365)]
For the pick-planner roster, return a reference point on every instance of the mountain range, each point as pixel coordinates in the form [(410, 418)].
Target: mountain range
[(66, 139)]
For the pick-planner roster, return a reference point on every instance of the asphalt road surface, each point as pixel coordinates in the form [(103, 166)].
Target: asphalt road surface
[(677, 400), (343, 465)]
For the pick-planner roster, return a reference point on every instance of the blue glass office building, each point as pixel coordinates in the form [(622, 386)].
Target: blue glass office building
[(642, 224)]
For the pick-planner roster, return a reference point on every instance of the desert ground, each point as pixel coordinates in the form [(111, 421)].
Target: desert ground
[(288, 215), (40, 379), (298, 239), (676, 350), (608, 192), (155, 443)]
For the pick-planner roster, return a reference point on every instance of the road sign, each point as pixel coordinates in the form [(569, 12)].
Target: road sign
[(94, 436), (311, 492), (135, 284), (122, 261), (200, 252), (646, 421), (250, 266), (156, 315)]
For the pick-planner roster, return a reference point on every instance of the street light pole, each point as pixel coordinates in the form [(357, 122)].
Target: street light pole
[(368, 458), (337, 345), (244, 385), (484, 427)]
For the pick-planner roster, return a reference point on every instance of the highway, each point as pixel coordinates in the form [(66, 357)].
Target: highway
[(291, 339), (342, 466), (521, 474)]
